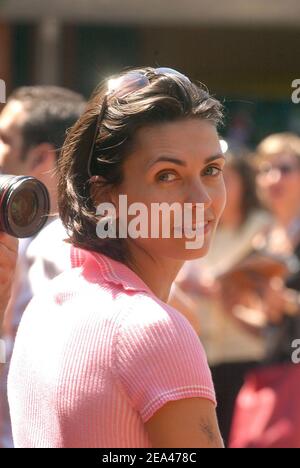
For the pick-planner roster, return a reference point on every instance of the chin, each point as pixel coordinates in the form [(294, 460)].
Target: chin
[(185, 256), (178, 251), (176, 248), (192, 254)]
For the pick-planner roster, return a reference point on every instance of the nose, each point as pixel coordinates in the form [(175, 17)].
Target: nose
[(269, 179), (274, 177), (198, 193)]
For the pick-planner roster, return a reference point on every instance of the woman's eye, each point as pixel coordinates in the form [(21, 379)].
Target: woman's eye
[(166, 177), (213, 171)]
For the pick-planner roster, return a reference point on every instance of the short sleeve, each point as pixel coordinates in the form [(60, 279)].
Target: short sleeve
[(159, 357)]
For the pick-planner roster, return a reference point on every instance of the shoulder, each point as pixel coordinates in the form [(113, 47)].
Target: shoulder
[(150, 330), (158, 357), (145, 312)]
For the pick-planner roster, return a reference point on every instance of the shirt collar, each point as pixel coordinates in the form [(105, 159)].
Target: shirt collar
[(108, 269)]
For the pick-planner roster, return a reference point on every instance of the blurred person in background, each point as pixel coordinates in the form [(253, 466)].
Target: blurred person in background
[(33, 127), (232, 349), (278, 159), (270, 394)]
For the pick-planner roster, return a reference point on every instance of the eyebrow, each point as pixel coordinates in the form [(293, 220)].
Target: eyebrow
[(180, 162)]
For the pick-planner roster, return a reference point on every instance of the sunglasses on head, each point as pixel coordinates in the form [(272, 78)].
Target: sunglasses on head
[(120, 88), (284, 169)]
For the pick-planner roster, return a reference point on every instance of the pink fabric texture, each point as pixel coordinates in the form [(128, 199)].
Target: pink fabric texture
[(96, 355)]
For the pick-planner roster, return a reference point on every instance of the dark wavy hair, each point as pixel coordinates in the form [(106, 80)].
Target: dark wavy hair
[(166, 98)]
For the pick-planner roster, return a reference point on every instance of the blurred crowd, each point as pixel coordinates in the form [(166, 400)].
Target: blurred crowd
[(243, 298)]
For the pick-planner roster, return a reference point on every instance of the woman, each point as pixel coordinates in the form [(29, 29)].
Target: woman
[(109, 363), (231, 348)]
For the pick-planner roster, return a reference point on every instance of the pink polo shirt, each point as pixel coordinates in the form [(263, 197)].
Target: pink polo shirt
[(96, 355)]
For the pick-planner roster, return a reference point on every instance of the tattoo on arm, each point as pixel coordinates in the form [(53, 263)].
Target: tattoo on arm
[(209, 432)]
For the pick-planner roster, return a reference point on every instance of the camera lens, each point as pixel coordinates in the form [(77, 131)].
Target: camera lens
[(24, 205)]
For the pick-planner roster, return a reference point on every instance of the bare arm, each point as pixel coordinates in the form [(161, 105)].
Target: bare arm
[(185, 423)]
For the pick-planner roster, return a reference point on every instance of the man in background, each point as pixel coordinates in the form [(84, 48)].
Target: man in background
[(33, 127)]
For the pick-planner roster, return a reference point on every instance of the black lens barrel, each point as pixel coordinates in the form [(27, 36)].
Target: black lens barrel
[(24, 205)]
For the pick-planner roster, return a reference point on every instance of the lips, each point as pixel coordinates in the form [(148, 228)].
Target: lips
[(195, 228), (199, 226)]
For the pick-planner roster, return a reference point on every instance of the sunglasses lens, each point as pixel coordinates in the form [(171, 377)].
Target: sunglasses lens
[(133, 81), (171, 71), (126, 84), (286, 169)]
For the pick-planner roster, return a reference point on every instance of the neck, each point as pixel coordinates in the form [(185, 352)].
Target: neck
[(158, 273)]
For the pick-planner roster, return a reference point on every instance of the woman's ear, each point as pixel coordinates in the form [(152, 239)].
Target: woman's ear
[(98, 190), (101, 193)]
